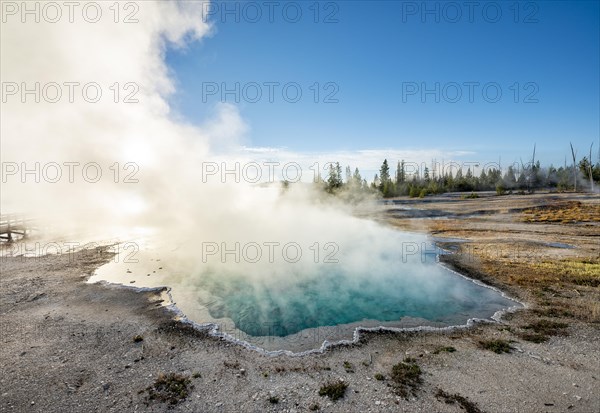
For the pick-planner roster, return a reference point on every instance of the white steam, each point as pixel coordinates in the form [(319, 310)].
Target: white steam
[(154, 157), (170, 195)]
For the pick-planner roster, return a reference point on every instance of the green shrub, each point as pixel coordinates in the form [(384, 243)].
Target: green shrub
[(169, 388), (406, 376), (335, 390), (448, 349), (497, 346)]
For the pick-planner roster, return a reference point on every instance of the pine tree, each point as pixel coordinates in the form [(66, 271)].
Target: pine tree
[(376, 182), (338, 175), (384, 174), (400, 173), (356, 178), (334, 180)]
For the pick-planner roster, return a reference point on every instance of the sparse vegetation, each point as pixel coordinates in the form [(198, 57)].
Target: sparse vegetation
[(463, 402), (232, 364), (169, 388), (406, 376), (379, 376), (472, 195), (552, 312), (448, 349), (567, 212), (497, 346), (196, 375), (534, 337), (543, 329), (585, 273), (314, 407), (138, 338), (273, 399), (335, 390), (348, 367)]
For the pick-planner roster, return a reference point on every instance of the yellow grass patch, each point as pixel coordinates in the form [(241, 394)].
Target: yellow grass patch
[(569, 212)]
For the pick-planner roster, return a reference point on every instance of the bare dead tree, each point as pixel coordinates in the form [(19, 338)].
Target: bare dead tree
[(574, 154), (533, 171), (591, 169)]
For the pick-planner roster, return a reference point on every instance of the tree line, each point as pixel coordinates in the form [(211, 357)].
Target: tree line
[(530, 177)]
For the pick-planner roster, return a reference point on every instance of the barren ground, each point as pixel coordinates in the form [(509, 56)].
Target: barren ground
[(67, 346)]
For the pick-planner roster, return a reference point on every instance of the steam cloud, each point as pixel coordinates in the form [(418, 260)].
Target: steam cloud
[(141, 141), (170, 195), (144, 141)]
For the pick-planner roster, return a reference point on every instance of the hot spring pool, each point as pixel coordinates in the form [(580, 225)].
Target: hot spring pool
[(297, 308)]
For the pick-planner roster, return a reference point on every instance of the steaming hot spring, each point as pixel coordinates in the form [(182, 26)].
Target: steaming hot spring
[(275, 271), (280, 287)]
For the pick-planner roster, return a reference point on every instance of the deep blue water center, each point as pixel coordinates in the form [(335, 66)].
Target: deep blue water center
[(331, 298)]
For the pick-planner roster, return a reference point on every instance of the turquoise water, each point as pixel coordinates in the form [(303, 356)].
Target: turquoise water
[(379, 279), (334, 297)]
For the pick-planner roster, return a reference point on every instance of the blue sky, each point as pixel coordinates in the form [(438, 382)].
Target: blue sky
[(377, 52)]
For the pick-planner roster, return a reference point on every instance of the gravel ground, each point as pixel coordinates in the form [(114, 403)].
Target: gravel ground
[(68, 346)]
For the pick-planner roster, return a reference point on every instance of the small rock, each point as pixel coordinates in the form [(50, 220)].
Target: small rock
[(219, 404), (32, 403), (577, 398), (377, 402)]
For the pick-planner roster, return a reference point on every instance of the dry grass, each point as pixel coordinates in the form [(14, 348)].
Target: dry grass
[(169, 388), (335, 390), (463, 402), (497, 346), (406, 377), (561, 284), (568, 212), (585, 272), (563, 287), (587, 310)]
